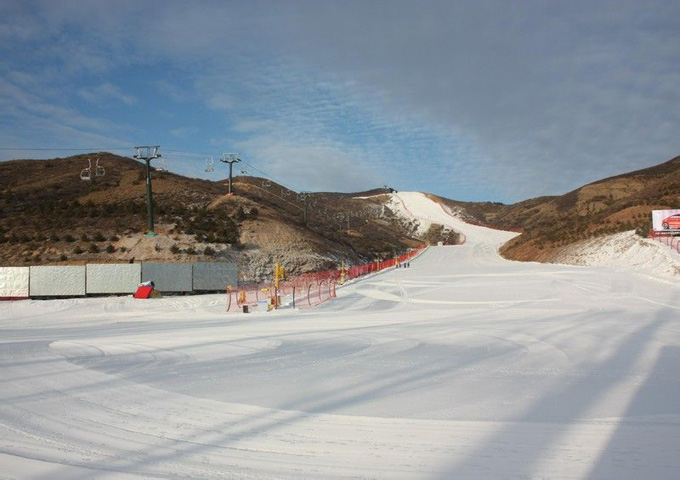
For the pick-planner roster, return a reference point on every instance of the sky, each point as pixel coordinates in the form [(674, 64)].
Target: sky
[(473, 100)]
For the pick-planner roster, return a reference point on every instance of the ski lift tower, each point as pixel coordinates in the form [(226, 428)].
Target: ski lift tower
[(231, 159), (148, 153)]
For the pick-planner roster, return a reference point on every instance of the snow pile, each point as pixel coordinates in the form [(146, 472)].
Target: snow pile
[(626, 251)]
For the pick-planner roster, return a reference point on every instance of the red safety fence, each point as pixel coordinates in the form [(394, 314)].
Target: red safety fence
[(306, 290), (314, 294), (670, 239)]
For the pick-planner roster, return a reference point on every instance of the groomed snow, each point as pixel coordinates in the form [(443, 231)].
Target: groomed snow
[(463, 366)]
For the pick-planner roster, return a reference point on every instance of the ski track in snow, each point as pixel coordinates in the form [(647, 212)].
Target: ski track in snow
[(463, 366)]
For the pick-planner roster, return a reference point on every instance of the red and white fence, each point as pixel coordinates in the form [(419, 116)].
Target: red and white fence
[(307, 290), (670, 239)]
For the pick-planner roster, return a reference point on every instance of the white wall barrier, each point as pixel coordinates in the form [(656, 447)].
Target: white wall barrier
[(113, 278), (214, 275), (55, 281), (169, 277), (14, 282)]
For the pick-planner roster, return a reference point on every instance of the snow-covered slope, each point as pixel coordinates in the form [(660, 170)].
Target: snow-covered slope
[(463, 366), (420, 207), (622, 251), (626, 251)]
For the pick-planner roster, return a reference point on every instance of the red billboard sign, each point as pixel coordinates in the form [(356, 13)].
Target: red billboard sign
[(666, 220)]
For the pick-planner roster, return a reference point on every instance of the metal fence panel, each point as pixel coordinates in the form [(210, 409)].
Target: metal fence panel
[(113, 278), (214, 275), (49, 281), (168, 277), (14, 281)]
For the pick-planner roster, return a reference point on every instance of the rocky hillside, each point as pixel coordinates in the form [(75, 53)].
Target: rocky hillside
[(49, 215)]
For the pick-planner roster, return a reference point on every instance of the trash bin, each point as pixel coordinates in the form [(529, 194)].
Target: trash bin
[(245, 308)]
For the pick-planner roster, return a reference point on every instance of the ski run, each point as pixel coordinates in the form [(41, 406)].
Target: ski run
[(463, 366)]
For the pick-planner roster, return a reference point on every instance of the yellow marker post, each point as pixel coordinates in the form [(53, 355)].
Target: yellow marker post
[(342, 272), (279, 274)]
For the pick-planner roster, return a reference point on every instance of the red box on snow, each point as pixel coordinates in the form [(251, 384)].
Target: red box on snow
[(143, 292)]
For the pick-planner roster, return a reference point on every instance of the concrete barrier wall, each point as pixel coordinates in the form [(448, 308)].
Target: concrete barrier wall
[(113, 278), (214, 276), (14, 281), (169, 277), (72, 280), (51, 281)]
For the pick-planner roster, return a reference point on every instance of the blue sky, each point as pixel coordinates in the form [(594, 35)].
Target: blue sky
[(473, 100)]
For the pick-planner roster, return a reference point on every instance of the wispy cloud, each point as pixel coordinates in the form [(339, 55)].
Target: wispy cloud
[(473, 100), (31, 120), (104, 92), (17, 101), (184, 132)]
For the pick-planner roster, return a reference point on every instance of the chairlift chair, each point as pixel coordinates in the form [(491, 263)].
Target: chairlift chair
[(209, 165), (161, 166), (86, 173), (99, 170)]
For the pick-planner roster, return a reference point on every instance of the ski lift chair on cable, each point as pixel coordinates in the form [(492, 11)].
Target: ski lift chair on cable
[(99, 170), (209, 165), (86, 173)]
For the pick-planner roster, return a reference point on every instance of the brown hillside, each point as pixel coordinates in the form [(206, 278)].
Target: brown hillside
[(49, 215), (615, 204)]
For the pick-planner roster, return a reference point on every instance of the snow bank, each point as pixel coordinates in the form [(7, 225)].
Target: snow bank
[(626, 251)]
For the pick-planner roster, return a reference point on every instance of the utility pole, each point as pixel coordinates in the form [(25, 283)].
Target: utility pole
[(231, 159), (148, 153)]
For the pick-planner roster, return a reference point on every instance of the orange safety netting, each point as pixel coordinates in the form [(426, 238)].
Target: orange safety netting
[(306, 290)]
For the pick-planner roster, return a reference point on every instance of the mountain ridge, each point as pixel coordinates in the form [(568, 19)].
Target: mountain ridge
[(49, 215)]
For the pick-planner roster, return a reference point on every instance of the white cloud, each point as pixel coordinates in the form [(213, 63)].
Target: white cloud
[(184, 132), (106, 91), (308, 167), (489, 100)]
